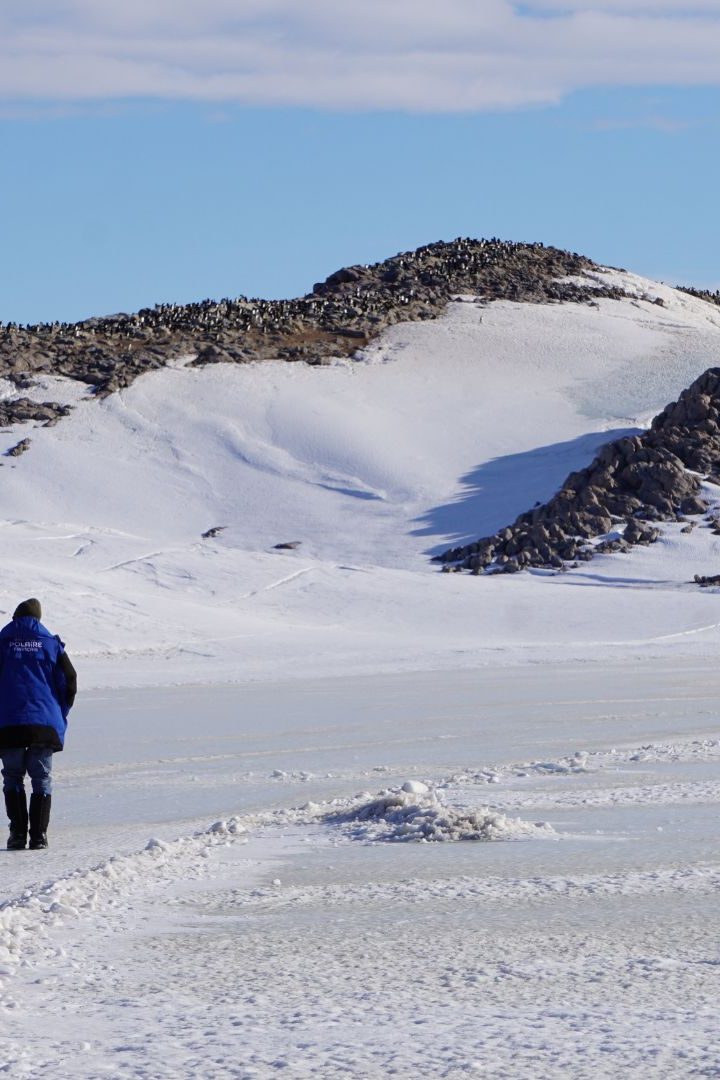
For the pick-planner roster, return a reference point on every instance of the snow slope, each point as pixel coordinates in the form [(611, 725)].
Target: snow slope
[(437, 433)]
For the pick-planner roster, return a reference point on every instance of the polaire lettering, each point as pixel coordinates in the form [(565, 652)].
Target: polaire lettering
[(24, 646)]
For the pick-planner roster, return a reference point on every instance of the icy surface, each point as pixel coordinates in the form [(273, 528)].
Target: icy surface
[(228, 887)]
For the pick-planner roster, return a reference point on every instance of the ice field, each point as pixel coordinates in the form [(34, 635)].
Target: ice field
[(296, 937)]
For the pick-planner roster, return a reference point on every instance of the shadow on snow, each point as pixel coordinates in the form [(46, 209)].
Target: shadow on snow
[(495, 493)]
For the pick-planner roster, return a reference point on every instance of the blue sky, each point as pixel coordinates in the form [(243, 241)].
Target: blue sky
[(173, 151)]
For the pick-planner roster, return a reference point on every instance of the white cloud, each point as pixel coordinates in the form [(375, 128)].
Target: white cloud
[(396, 54)]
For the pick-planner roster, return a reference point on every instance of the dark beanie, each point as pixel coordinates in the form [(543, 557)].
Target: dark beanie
[(29, 607)]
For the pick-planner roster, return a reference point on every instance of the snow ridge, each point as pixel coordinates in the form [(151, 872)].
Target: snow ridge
[(402, 815)]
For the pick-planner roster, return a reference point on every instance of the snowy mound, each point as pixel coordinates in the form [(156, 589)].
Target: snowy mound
[(148, 521), (398, 815)]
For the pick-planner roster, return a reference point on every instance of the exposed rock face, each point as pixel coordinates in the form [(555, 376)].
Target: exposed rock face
[(631, 483), (340, 315)]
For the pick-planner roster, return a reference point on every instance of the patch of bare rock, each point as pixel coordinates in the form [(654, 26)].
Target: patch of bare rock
[(21, 410), (615, 503), (18, 449), (706, 582), (339, 316)]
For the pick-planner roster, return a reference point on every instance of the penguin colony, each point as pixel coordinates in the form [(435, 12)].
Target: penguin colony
[(702, 294), (337, 318)]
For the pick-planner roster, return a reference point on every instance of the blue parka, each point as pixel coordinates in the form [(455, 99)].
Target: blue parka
[(33, 687)]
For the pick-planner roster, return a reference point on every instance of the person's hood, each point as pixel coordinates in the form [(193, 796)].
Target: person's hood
[(28, 609)]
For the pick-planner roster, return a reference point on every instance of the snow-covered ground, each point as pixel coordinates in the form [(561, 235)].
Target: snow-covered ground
[(227, 895), (235, 885)]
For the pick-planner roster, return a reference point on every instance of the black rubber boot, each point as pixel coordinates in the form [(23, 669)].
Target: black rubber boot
[(39, 820), (16, 806)]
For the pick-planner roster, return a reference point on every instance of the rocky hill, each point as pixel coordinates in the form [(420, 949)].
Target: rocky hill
[(632, 483), (339, 316)]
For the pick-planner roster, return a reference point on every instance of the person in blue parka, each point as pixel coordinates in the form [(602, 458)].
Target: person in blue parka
[(37, 689)]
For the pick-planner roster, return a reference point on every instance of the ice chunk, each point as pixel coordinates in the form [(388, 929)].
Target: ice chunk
[(415, 787)]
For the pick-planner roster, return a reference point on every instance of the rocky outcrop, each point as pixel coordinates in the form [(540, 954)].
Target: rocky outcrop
[(707, 582), (339, 316), (18, 448), (632, 483), (21, 410)]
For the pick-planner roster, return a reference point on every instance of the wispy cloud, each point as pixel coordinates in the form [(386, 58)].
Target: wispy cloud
[(667, 125), (415, 55)]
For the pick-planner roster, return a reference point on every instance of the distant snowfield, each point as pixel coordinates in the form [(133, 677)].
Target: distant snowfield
[(235, 884)]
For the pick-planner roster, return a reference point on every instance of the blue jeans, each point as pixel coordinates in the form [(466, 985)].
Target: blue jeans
[(37, 763)]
